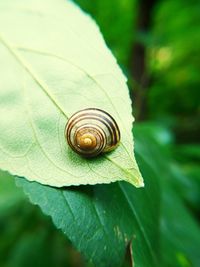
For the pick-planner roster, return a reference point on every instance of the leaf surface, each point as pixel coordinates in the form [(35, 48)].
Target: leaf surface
[(102, 220), (55, 63)]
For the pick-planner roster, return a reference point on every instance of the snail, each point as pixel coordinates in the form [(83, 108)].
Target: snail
[(92, 131)]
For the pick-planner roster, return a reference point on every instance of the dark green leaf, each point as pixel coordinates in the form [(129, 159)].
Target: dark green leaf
[(180, 232), (101, 220)]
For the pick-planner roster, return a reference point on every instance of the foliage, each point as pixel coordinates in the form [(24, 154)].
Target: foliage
[(174, 65), (159, 223), (32, 134)]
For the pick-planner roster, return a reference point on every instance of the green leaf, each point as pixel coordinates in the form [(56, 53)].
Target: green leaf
[(9, 194), (27, 234), (55, 63), (102, 220), (180, 232)]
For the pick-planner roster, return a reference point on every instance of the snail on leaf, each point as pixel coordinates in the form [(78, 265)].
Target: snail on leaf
[(92, 131)]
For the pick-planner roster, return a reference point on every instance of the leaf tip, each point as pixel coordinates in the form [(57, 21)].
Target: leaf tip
[(139, 183)]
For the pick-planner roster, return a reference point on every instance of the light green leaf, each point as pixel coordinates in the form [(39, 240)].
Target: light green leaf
[(55, 63)]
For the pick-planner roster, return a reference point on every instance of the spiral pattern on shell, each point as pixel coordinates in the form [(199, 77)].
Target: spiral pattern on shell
[(92, 131)]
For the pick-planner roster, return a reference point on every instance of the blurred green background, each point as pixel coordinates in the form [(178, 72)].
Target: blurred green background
[(157, 45)]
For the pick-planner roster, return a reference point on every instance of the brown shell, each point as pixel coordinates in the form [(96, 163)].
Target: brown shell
[(92, 131)]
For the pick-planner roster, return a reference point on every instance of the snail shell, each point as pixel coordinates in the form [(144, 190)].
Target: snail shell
[(92, 131)]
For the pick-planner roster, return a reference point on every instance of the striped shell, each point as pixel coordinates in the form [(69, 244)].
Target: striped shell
[(92, 131)]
